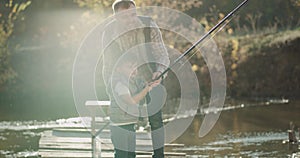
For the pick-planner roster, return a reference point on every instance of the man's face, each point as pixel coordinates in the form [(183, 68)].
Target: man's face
[(127, 15)]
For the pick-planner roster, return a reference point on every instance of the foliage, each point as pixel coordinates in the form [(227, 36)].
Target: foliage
[(257, 17), (101, 6), (12, 11), (96, 5), (247, 44)]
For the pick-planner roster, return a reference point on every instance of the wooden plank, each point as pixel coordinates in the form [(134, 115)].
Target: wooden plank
[(106, 144), (65, 153), (105, 148), (75, 154), (64, 140), (74, 140), (60, 154), (71, 153), (86, 147), (64, 132), (97, 103), (54, 146), (66, 146), (167, 154)]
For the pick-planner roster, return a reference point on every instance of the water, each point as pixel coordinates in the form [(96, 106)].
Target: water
[(244, 131), (256, 144), (251, 130), (21, 138)]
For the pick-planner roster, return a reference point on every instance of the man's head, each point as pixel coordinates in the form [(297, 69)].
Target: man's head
[(125, 12), (119, 5)]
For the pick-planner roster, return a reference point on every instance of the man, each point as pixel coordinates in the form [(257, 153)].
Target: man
[(129, 31)]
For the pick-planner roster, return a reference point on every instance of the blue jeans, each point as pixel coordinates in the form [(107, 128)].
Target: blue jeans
[(157, 134), (156, 122), (124, 140)]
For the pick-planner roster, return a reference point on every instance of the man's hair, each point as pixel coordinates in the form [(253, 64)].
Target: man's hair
[(122, 4)]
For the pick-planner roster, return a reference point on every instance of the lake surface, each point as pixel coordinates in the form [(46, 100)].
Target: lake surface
[(245, 131)]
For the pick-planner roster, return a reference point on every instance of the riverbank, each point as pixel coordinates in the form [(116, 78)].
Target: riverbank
[(263, 65)]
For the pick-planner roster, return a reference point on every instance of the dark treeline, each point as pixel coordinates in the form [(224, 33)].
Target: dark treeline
[(257, 15)]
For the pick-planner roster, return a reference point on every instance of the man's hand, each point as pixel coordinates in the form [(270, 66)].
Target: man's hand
[(156, 82)]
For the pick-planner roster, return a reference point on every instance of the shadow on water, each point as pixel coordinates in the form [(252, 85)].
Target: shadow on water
[(257, 131)]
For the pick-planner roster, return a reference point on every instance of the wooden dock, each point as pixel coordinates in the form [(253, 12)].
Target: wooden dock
[(94, 141), (76, 142)]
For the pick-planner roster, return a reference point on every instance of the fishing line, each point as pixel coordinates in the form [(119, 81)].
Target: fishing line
[(206, 42), (224, 20)]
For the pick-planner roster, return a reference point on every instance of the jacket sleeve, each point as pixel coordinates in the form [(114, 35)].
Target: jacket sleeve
[(109, 56), (105, 58), (159, 50)]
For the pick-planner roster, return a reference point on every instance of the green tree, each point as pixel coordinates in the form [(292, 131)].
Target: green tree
[(103, 5), (10, 11)]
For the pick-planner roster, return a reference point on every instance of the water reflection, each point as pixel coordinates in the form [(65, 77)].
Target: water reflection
[(253, 131)]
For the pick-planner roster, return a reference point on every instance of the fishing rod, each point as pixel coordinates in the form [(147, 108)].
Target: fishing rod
[(202, 39)]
